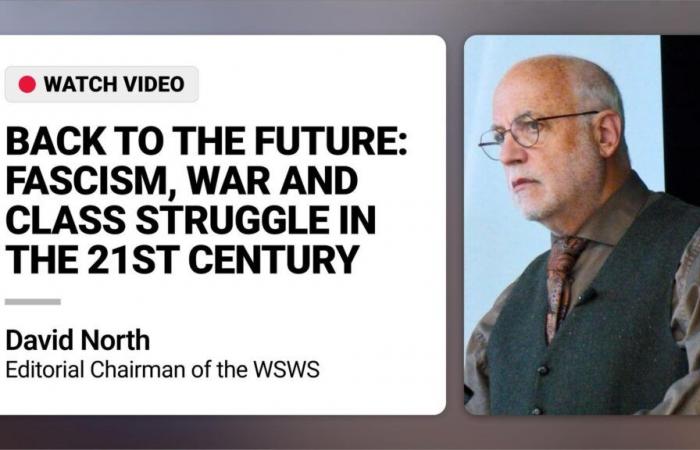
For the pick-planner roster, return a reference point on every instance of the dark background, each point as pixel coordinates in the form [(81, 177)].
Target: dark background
[(454, 20), (680, 68)]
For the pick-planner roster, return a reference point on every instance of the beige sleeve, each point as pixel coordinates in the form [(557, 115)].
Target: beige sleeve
[(683, 396), (476, 374)]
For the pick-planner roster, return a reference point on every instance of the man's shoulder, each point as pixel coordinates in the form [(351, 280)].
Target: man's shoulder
[(532, 271), (667, 214), (537, 263), (675, 204)]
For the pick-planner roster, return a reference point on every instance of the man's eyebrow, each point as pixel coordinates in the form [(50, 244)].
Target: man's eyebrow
[(525, 113)]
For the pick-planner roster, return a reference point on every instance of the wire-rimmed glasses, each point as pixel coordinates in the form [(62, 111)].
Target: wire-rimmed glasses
[(525, 129)]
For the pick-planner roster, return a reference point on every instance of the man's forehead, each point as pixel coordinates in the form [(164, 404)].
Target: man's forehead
[(522, 92)]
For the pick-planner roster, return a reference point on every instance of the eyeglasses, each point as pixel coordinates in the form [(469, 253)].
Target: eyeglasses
[(525, 129)]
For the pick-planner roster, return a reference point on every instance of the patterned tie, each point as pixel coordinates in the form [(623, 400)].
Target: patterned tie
[(565, 252)]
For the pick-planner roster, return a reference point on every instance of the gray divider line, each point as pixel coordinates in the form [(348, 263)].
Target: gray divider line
[(32, 301)]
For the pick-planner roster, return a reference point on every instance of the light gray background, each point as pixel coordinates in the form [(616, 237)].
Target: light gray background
[(454, 20)]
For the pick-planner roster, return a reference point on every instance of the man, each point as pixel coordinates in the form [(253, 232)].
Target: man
[(608, 321)]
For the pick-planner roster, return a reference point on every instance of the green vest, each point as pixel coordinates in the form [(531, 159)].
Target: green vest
[(614, 353)]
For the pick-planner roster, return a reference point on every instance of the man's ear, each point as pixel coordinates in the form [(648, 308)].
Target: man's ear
[(608, 132)]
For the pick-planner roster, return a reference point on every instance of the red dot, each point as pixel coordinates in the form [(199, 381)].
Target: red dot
[(27, 84)]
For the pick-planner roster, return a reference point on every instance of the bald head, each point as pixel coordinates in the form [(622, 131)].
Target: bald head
[(572, 82), (565, 165)]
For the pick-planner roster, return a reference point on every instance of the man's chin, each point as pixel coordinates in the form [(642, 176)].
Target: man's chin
[(532, 211), (535, 216)]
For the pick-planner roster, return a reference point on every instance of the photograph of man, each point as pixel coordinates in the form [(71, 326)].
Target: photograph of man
[(608, 320)]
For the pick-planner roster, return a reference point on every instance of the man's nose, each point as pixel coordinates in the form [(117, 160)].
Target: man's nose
[(511, 151)]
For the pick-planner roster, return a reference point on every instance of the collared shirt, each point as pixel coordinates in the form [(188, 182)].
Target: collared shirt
[(604, 229)]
